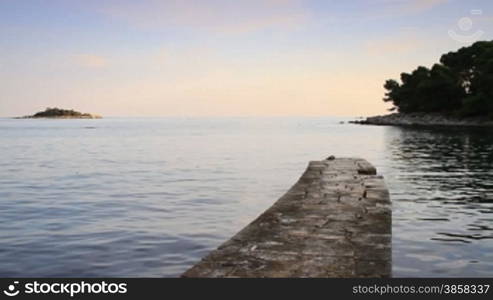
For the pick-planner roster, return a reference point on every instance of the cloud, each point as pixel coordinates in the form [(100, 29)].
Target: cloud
[(381, 10), (424, 5), (413, 6), (404, 43), (89, 61), (213, 15)]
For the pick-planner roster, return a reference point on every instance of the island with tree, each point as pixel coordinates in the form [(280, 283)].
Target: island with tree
[(58, 113), (456, 91)]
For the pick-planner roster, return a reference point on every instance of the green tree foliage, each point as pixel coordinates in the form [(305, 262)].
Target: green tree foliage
[(461, 84)]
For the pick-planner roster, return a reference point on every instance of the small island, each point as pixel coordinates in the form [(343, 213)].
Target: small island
[(456, 91), (58, 113)]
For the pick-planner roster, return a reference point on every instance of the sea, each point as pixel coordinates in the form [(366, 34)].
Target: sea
[(148, 197)]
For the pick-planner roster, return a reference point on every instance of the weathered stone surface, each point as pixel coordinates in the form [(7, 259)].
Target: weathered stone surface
[(334, 222)]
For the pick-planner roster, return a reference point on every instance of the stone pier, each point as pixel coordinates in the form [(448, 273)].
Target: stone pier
[(334, 222)]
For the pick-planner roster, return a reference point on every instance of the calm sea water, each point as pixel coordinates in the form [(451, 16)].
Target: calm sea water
[(150, 197)]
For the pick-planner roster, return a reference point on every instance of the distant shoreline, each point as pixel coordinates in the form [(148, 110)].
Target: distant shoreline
[(61, 117), (57, 113), (423, 119)]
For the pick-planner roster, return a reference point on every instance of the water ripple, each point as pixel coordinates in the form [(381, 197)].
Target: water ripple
[(150, 197)]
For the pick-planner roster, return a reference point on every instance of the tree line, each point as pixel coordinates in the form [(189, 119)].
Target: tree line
[(460, 85), (58, 112)]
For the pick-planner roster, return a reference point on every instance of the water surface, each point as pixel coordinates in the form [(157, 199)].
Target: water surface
[(150, 197)]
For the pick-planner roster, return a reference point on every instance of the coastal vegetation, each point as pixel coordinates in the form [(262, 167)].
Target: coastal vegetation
[(460, 85), (62, 114)]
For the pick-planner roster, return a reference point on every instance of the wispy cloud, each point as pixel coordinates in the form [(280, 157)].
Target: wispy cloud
[(423, 5), (412, 6), (213, 15), (89, 60), (404, 43), (383, 10)]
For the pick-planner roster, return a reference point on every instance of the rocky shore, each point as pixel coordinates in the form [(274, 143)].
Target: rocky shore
[(423, 119), (62, 117), (57, 113)]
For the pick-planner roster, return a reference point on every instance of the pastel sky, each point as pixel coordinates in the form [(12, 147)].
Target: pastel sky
[(222, 57)]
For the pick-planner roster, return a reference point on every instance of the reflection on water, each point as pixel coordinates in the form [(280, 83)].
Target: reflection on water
[(442, 185), (149, 197)]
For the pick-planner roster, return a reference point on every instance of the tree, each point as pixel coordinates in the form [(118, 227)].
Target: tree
[(462, 84)]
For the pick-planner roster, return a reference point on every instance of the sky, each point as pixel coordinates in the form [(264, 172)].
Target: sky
[(223, 58)]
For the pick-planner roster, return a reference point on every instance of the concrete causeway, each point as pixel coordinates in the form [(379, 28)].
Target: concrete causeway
[(334, 222)]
